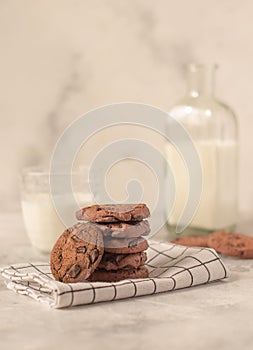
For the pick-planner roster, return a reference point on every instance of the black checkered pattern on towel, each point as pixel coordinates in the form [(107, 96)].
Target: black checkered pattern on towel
[(170, 267)]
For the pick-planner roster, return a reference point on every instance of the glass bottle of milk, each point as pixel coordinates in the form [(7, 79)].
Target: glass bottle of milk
[(212, 126)]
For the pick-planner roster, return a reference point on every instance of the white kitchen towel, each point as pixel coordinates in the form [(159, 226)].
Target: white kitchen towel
[(170, 267)]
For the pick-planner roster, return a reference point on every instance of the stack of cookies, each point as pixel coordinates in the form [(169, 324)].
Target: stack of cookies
[(106, 246), (123, 226)]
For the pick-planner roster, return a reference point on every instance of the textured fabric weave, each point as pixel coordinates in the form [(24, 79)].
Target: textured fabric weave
[(170, 267)]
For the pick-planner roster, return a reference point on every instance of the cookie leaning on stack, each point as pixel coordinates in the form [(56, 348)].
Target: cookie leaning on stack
[(108, 247), (76, 253), (122, 226)]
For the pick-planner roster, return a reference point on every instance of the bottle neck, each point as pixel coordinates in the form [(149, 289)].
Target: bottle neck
[(200, 79)]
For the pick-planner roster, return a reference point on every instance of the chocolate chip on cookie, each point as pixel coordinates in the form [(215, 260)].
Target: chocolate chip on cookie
[(114, 213), (77, 253)]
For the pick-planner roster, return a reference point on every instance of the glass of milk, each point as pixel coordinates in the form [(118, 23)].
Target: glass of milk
[(42, 223)]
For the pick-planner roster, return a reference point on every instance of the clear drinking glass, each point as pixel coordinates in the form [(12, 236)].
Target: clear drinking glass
[(43, 226), (213, 128)]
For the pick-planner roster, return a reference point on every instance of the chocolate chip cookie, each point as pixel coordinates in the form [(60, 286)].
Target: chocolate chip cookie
[(122, 261), (126, 229), (114, 213), (77, 253), (232, 244), (125, 245), (115, 276), (227, 243)]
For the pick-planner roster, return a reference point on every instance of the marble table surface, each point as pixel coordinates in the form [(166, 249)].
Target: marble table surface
[(218, 315)]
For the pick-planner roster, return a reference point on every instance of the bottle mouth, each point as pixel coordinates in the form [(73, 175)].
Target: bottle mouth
[(194, 67)]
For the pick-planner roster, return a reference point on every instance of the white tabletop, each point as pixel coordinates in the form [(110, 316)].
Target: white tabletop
[(218, 315)]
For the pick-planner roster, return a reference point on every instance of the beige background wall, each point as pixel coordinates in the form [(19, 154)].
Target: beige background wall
[(60, 58)]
